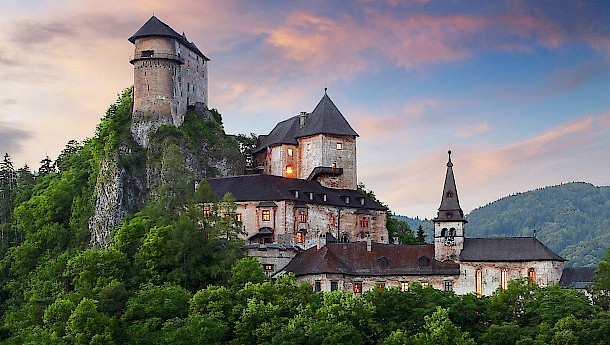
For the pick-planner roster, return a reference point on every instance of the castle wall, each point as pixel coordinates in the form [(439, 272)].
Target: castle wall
[(322, 151), (285, 220), (546, 273), (346, 283)]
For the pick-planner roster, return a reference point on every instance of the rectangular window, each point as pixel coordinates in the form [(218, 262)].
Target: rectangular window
[(289, 152), (404, 286), (358, 287), (266, 215), (380, 285), (317, 286), (364, 222), (339, 146), (268, 267), (448, 285), (303, 216), (206, 212), (308, 146), (334, 285), (424, 284), (504, 278), (332, 220), (238, 217), (478, 280), (300, 237)]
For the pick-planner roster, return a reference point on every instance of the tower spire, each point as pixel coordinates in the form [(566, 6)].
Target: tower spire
[(450, 209)]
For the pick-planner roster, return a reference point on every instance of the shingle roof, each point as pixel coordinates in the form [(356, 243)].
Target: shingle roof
[(382, 260), (276, 188), (155, 27), (450, 209), (324, 119), (577, 277), (506, 249)]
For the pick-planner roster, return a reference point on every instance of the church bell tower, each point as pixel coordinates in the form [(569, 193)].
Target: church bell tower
[(449, 222)]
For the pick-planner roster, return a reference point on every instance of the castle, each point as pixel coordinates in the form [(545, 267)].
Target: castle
[(302, 212)]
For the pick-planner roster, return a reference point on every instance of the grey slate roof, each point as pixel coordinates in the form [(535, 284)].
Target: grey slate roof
[(382, 260), (155, 27), (577, 277), (450, 209), (276, 188), (506, 249), (324, 119)]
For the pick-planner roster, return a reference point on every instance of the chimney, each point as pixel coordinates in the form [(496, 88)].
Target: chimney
[(369, 244), (302, 119), (321, 241)]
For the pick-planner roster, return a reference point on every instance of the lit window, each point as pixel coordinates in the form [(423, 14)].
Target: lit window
[(266, 215), (334, 285), (332, 220), (364, 222), (268, 267), (308, 146), (339, 146), (380, 285), (290, 152), (424, 284), (238, 217), (289, 170), (300, 237), (479, 282), (404, 286), (531, 274), (504, 279), (302, 216), (317, 286), (448, 285), (206, 212), (188, 64), (358, 287)]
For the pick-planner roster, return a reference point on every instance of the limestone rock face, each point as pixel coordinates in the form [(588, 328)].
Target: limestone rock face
[(120, 189)]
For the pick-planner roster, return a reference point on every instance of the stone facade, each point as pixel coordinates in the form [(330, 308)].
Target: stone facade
[(169, 75), (359, 284), (301, 225)]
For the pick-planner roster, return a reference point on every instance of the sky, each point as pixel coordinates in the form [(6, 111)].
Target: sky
[(518, 90)]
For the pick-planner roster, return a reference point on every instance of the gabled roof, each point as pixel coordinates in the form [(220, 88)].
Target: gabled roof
[(277, 188), (382, 260), (324, 119), (577, 277), (450, 209), (155, 27), (506, 249)]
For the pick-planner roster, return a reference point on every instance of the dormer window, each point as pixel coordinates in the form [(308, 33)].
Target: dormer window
[(296, 193), (346, 199), (324, 197), (449, 194), (310, 195), (361, 201)]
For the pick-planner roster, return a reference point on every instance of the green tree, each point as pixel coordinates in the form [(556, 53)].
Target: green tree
[(601, 285), (46, 167), (87, 325), (421, 235), (439, 330), (247, 144)]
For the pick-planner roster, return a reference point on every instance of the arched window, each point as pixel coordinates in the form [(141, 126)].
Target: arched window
[(478, 280), (531, 274), (452, 232), (344, 238), (444, 232)]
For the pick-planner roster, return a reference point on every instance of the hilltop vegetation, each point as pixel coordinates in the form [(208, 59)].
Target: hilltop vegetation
[(572, 219)]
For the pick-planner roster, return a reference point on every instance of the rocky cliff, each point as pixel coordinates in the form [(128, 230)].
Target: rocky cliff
[(175, 159)]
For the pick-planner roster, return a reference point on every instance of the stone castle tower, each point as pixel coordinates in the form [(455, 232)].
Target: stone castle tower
[(449, 222), (170, 73), (320, 146)]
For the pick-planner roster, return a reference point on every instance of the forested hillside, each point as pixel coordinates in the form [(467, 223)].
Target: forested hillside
[(572, 219)]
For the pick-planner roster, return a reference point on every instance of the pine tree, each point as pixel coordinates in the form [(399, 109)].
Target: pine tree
[(7, 184), (46, 167), (421, 236)]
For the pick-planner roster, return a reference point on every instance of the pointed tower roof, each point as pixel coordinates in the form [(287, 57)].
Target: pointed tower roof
[(450, 209), (324, 119), (155, 27)]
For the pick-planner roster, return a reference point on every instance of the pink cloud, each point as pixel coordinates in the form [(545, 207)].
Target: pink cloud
[(472, 130)]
